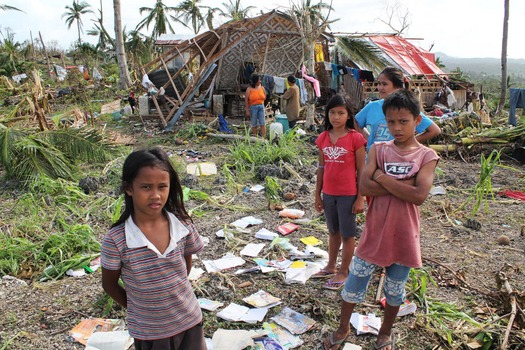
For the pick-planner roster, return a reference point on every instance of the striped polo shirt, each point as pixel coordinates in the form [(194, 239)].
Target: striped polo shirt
[(161, 302)]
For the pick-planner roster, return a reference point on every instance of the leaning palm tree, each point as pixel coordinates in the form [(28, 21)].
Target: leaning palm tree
[(190, 12), (234, 11), (157, 15), (9, 8), (74, 13), (362, 52)]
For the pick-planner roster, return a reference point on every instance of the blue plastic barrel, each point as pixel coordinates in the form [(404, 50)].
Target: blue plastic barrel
[(282, 119)]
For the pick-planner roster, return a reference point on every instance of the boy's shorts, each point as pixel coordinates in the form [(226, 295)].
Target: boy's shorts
[(359, 275), (191, 339), (339, 216)]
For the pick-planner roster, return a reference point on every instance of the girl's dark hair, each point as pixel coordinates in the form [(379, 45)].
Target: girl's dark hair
[(154, 157), (337, 101), (402, 99), (254, 80), (395, 75)]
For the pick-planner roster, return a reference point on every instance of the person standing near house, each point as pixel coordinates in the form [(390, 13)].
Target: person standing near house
[(254, 100), (292, 98), (390, 79)]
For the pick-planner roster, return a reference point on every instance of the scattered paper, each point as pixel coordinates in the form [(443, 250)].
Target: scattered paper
[(246, 221), (406, 308), (201, 169), (267, 343), (210, 305), (249, 269), (437, 190), (226, 262), (266, 234), (257, 188), (117, 340), (284, 243), (365, 323), (311, 240), (349, 346), (317, 251), (195, 273), (262, 299), (252, 249), (225, 339), (301, 274), (83, 331), (236, 313), (287, 228), (291, 213), (293, 321), (286, 339)]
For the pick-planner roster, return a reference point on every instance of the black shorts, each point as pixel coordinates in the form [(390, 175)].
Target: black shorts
[(339, 216), (191, 339)]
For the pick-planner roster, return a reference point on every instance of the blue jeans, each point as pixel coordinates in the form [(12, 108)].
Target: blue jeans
[(357, 282), (257, 115)]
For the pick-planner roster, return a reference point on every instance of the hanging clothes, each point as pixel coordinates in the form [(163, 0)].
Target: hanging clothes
[(279, 85), (517, 100), (366, 75), (302, 90), (268, 83), (355, 73), (315, 82), (327, 66), (335, 74), (319, 54)]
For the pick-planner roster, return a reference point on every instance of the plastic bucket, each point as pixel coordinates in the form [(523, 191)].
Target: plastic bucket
[(276, 130), (283, 120)]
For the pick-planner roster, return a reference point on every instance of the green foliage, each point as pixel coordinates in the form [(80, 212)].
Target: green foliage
[(246, 156), (27, 155), (272, 190)]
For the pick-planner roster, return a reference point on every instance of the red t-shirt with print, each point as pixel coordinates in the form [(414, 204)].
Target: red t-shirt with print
[(340, 177)]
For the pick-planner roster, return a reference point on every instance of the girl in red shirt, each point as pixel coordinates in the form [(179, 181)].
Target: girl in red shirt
[(341, 161)]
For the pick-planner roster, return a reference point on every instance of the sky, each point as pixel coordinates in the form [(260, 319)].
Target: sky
[(458, 28)]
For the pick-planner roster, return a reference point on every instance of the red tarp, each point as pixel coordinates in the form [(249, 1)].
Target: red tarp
[(413, 60)]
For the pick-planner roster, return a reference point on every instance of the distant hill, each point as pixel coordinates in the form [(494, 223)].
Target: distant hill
[(489, 66)]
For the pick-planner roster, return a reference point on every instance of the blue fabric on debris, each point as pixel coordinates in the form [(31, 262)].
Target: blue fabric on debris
[(223, 124), (517, 100)]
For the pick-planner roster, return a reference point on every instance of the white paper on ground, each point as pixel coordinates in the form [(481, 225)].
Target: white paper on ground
[(301, 275), (201, 169), (226, 262), (349, 346), (257, 188), (209, 344), (195, 273), (365, 323), (235, 312), (246, 221), (116, 340), (210, 305), (252, 249), (316, 250), (437, 190), (266, 234), (225, 339)]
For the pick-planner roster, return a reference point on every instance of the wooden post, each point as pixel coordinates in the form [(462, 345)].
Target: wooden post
[(47, 56)]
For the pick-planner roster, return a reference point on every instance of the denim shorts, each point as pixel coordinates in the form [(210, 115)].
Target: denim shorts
[(357, 282), (257, 115), (339, 216)]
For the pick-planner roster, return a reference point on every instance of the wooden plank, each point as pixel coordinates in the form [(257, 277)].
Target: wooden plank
[(110, 107), (159, 110)]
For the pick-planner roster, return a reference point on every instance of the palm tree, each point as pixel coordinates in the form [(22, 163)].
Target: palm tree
[(190, 12), (313, 20), (74, 13), (158, 16), (234, 11), (124, 79), (361, 52), (210, 15), (105, 41), (9, 8), (504, 58), (9, 52)]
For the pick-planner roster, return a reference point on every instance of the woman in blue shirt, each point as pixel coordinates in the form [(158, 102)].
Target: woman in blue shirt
[(372, 116)]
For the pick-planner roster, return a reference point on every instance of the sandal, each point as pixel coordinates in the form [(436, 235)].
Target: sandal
[(332, 285), (323, 273), (334, 342), (391, 343)]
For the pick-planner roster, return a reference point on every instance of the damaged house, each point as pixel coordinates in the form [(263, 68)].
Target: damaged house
[(216, 65)]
